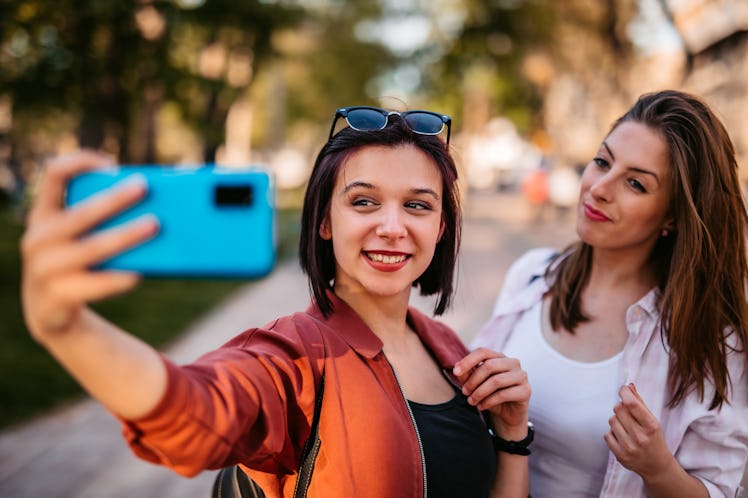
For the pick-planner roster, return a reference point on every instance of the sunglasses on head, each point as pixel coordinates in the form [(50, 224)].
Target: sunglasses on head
[(365, 118)]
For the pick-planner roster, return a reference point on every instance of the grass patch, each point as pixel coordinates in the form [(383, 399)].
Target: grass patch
[(31, 382)]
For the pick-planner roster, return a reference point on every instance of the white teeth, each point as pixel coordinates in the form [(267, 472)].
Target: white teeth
[(388, 260)]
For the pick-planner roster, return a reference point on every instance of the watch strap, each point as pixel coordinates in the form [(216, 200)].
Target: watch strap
[(514, 447)]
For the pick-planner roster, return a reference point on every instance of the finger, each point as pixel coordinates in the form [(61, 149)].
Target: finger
[(496, 382), (487, 369), (103, 205), (97, 247), (472, 360), (637, 407), (613, 444), (86, 215), (94, 286), (516, 394), (624, 418), (58, 171), (619, 432), (65, 296)]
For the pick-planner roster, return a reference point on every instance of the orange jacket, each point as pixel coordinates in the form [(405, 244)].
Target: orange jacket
[(251, 402)]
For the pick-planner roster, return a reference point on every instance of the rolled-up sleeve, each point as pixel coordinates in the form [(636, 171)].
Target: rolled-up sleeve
[(715, 446), (248, 402)]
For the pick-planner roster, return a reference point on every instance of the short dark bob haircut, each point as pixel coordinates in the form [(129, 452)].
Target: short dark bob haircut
[(316, 254)]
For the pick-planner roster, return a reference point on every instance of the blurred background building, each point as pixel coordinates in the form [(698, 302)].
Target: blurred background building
[(715, 40)]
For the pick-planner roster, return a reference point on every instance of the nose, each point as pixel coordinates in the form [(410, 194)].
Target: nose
[(601, 188), (391, 224)]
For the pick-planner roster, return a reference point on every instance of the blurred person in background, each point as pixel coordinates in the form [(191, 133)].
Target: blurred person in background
[(535, 190), (634, 338), (563, 190), (381, 215)]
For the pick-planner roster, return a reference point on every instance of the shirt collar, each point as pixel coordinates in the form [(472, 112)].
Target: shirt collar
[(649, 302)]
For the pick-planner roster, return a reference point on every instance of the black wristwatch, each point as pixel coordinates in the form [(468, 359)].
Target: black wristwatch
[(514, 447)]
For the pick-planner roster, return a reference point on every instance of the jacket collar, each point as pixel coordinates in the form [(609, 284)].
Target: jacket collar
[(346, 323)]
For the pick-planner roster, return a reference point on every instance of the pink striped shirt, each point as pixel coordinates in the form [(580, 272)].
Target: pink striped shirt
[(711, 445)]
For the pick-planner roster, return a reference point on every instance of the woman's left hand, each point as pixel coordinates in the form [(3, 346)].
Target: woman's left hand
[(635, 436), (496, 383)]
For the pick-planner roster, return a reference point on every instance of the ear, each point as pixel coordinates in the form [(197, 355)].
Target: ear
[(324, 230), (669, 225), (442, 227)]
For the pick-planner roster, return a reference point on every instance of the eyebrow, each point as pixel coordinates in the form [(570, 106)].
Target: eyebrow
[(638, 170), (612, 156), (369, 186)]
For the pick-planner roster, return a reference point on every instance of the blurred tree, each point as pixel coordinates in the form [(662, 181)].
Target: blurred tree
[(111, 63), (327, 65), (486, 58), (510, 54), (591, 75)]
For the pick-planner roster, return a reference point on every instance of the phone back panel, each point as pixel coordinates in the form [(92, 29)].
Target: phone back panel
[(214, 222)]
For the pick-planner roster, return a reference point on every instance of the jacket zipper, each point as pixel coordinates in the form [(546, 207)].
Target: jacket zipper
[(415, 427)]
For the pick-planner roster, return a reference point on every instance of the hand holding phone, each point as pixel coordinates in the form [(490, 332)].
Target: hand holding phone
[(214, 221)]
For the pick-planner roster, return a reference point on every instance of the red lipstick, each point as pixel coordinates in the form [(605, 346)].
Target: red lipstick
[(593, 214)]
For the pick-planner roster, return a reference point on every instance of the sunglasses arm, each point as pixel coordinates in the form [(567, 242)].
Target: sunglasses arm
[(332, 128)]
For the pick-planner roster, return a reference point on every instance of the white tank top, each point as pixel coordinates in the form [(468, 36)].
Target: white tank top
[(570, 405)]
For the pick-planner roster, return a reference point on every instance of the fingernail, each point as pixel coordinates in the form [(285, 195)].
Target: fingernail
[(136, 180), (457, 371), (151, 221)]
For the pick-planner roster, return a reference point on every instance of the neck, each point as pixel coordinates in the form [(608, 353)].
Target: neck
[(385, 316), (616, 270)]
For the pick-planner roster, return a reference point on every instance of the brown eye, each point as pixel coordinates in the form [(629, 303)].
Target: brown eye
[(418, 205)]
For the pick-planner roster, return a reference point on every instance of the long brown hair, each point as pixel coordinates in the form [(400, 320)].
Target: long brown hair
[(701, 266)]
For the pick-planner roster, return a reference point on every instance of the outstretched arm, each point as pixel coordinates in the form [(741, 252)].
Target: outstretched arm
[(637, 441), (497, 384), (124, 373)]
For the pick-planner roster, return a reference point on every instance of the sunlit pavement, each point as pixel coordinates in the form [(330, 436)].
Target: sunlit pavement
[(78, 452)]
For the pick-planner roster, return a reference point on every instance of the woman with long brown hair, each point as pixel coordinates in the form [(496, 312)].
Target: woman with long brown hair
[(634, 338)]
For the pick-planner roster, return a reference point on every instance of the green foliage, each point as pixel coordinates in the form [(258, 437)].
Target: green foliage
[(333, 68), (111, 62), (497, 36)]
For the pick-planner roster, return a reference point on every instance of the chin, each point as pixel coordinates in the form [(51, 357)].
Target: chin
[(388, 290), (582, 230), (592, 239)]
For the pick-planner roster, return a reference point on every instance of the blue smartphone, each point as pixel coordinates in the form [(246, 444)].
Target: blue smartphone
[(214, 221)]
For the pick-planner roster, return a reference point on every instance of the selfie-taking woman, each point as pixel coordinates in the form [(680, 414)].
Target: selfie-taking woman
[(381, 216)]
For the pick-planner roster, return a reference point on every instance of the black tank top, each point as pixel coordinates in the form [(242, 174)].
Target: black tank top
[(460, 459)]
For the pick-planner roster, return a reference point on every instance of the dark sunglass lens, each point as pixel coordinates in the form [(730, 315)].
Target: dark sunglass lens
[(366, 119), (422, 122)]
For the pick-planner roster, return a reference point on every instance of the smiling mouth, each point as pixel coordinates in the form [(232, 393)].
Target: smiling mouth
[(386, 258)]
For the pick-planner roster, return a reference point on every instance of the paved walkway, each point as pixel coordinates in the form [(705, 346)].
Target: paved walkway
[(77, 452)]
